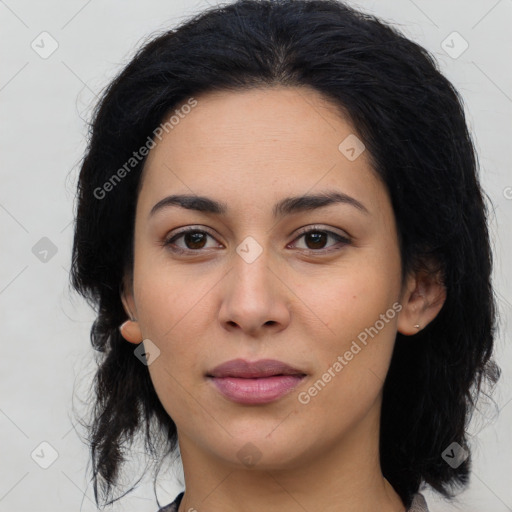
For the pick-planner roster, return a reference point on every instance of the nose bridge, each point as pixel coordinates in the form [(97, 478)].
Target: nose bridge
[(252, 296), (251, 272)]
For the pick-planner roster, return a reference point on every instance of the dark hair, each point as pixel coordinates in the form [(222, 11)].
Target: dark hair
[(412, 122)]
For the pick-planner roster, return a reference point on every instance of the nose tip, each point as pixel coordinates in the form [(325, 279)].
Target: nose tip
[(253, 297)]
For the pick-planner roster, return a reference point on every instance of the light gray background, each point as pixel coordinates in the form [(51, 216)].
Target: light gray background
[(46, 353)]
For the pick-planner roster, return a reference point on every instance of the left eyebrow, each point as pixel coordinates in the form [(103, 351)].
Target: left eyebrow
[(286, 206)]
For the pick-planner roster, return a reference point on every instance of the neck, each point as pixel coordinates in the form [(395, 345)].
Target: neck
[(345, 477)]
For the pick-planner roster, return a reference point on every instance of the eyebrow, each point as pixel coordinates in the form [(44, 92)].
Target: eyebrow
[(284, 207)]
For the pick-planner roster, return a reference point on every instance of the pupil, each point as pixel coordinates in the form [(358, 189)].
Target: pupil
[(316, 236), (194, 238)]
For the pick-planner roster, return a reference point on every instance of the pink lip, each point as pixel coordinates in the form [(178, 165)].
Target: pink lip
[(258, 382)]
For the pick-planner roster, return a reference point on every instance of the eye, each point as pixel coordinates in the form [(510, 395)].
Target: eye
[(193, 238), (316, 238)]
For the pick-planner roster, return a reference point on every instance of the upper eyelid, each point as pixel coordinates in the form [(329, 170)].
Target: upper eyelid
[(318, 227)]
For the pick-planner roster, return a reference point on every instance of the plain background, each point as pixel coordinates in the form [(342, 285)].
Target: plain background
[(47, 361)]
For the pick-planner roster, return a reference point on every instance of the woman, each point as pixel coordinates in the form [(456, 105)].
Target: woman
[(280, 222)]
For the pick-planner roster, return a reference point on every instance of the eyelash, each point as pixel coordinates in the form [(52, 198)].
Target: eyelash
[(170, 241)]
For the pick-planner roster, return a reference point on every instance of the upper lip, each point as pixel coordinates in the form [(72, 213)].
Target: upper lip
[(245, 369)]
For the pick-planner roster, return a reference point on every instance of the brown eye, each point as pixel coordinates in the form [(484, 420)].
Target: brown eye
[(194, 240), (315, 240)]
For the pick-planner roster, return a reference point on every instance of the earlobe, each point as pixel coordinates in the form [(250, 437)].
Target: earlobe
[(130, 331)]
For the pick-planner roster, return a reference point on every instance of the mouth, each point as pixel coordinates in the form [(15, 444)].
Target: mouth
[(240, 368), (255, 382)]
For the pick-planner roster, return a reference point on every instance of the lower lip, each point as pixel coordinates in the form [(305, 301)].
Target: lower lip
[(256, 391)]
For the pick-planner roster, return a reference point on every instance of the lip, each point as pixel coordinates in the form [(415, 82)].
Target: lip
[(255, 382)]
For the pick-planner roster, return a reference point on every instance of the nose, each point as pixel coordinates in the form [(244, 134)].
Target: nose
[(255, 300)]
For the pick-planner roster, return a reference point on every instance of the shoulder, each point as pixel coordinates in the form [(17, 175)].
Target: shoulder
[(418, 504), (173, 507)]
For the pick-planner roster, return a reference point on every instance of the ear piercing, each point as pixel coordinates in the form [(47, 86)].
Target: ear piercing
[(417, 326)]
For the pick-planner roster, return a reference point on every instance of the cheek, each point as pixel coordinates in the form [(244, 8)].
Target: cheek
[(351, 301), (359, 306), (166, 297), (168, 320), (354, 357), (171, 305)]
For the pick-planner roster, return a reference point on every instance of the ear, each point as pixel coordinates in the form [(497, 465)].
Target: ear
[(130, 330), (423, 297)]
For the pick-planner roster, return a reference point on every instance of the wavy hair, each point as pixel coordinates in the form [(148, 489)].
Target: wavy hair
[(412, 122)]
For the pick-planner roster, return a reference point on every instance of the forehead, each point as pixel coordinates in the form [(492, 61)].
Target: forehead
[(255, 121), (253, 143)]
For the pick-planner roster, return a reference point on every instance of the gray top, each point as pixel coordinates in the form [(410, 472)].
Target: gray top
[(418, 504)]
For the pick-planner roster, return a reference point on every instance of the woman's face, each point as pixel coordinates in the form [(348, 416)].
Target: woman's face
[(249, 284)]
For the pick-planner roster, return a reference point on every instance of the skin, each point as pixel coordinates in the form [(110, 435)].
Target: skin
[(249, 149)]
